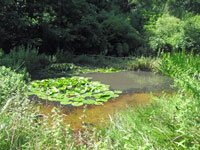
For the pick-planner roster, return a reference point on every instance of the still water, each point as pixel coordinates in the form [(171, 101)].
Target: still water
[(133, 81), (136, 87)]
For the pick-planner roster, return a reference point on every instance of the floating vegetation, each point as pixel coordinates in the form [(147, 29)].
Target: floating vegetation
[(58, 70), (62, 67), (75, 91)]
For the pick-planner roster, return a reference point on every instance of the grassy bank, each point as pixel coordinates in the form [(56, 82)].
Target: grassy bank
[(170, 123), (41, 66)]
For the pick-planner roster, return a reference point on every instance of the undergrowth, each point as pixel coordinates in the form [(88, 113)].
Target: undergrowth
[(168, 123), (21, 125)]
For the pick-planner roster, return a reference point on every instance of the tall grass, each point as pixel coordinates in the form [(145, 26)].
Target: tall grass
[(21, 126), (24, 57), (170, 122)]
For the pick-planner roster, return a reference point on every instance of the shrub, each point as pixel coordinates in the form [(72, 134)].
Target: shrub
[(170, 33), (24, 57), (11, 84), (192, 32), (84, 59), (123, 39), (62, 56), (166, 34)]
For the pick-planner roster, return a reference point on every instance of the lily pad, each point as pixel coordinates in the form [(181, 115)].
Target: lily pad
[(65, 103), (77, 89)]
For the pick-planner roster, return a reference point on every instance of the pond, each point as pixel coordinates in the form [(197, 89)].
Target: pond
[(133, 81), (136, 87)]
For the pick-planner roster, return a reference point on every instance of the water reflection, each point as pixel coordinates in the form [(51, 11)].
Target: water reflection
[(136, 85), (133, 81), (93, 115)]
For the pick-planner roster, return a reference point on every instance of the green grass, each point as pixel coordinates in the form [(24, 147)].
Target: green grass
[(169, 123), (81, 64), (165, 124), (20, 124)]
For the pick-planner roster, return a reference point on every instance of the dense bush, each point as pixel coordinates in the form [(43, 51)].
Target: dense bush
[(192, 32), (24, 57), (97, 27), (171, 33), (166, 34), (121, 36), (80, 26), (11, 84)]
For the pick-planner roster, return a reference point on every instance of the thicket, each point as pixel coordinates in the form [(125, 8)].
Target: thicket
[(11, 84), (117, 27), (171, 33), (27, 58), (20, 126), (78, 26)]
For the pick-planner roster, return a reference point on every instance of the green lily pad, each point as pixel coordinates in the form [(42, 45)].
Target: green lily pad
[(65, 102), (77, 89), (89, 101), (118, 92), (98, 103)]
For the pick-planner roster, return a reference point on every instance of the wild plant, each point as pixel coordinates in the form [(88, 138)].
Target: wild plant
[(24, 57)]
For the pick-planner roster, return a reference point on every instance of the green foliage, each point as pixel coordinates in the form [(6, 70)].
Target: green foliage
[(185, 68), (75, 90), (62, 67), (62, 56), (22, 57), (179, 7), (1, 52), (11, 84), (166, 34), (173, 119), (171, 33), (123, 38), (80, 26), (94, 27), (192, 32), (84, 59), (21, 127)]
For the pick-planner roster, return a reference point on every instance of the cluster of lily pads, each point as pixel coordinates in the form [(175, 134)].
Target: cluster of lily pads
[(76, 91)]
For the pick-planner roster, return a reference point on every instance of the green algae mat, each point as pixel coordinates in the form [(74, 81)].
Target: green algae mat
[(76, 91)]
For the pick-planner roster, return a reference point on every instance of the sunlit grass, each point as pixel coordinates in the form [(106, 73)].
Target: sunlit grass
[(168, 123)]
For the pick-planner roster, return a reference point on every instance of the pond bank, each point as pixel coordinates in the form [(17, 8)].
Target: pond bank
[(94, 116), (135, 85)]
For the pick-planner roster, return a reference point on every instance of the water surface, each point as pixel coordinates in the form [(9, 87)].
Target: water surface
[(136, 87), (133, 81)]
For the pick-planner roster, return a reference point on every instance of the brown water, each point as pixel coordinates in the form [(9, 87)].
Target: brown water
[(77, 117), (136, 85)]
